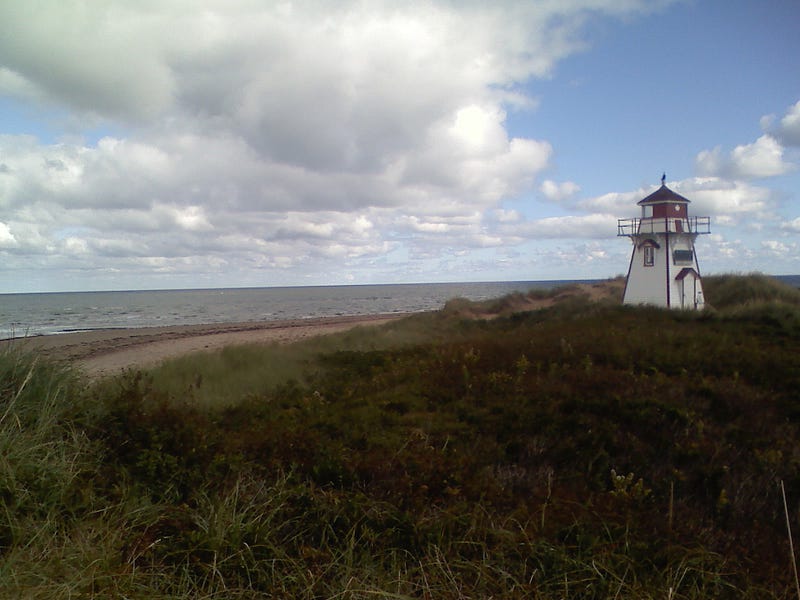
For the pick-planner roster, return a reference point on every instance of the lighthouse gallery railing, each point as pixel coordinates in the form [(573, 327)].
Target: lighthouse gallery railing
[(638, 226)]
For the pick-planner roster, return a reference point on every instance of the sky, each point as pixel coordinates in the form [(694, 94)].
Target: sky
[(165, 144)]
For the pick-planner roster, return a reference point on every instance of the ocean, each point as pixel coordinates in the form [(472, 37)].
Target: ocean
[(64, 312)]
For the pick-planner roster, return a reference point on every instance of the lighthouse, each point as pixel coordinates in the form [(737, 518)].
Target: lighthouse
[(663, 269)]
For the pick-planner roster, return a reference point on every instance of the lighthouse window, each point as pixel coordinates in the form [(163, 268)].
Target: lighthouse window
[(649, 256), (683, 256)]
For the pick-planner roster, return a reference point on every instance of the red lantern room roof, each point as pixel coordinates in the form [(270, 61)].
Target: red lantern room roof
[(663, 195)]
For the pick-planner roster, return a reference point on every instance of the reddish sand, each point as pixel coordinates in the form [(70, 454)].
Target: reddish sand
[(108, 351)]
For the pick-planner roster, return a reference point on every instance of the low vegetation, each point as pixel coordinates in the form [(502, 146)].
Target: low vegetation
[(580, 450)]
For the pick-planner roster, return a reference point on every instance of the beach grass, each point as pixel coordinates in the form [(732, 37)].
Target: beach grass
[(224, 377), (737, 291), (581, 450)]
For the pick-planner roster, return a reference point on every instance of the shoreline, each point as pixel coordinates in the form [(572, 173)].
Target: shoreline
[(103, 352)]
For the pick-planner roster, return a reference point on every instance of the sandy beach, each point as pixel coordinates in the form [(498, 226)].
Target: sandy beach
[(104, 352)]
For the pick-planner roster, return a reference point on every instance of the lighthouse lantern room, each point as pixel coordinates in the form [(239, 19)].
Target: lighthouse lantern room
[(663, 270)]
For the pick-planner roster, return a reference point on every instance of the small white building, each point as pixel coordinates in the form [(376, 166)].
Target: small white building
[(663, 269)]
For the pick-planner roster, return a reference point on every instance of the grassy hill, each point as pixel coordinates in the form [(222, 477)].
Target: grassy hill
[(576, 449)]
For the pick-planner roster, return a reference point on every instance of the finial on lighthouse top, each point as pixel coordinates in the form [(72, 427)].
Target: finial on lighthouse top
[(663, 178)]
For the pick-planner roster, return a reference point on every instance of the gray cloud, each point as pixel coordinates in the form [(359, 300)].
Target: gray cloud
[(102, 60)]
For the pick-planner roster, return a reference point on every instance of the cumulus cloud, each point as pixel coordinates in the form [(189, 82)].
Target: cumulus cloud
[(762, 158), (620, 203), (7, 239), (277, 136), (721, 197), (559, 192), (793, 225), (777, 248), (787, 129), (598, 226), (716, 196)]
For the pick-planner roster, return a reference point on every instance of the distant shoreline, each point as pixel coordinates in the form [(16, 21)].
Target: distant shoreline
[(107, 351), (102, 352)]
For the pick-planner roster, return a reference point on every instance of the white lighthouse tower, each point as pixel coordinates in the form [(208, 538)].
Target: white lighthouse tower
[(663, 269)]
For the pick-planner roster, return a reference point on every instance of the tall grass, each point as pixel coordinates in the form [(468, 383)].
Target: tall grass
[(741, 291), (44, 457), (47, 464)]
